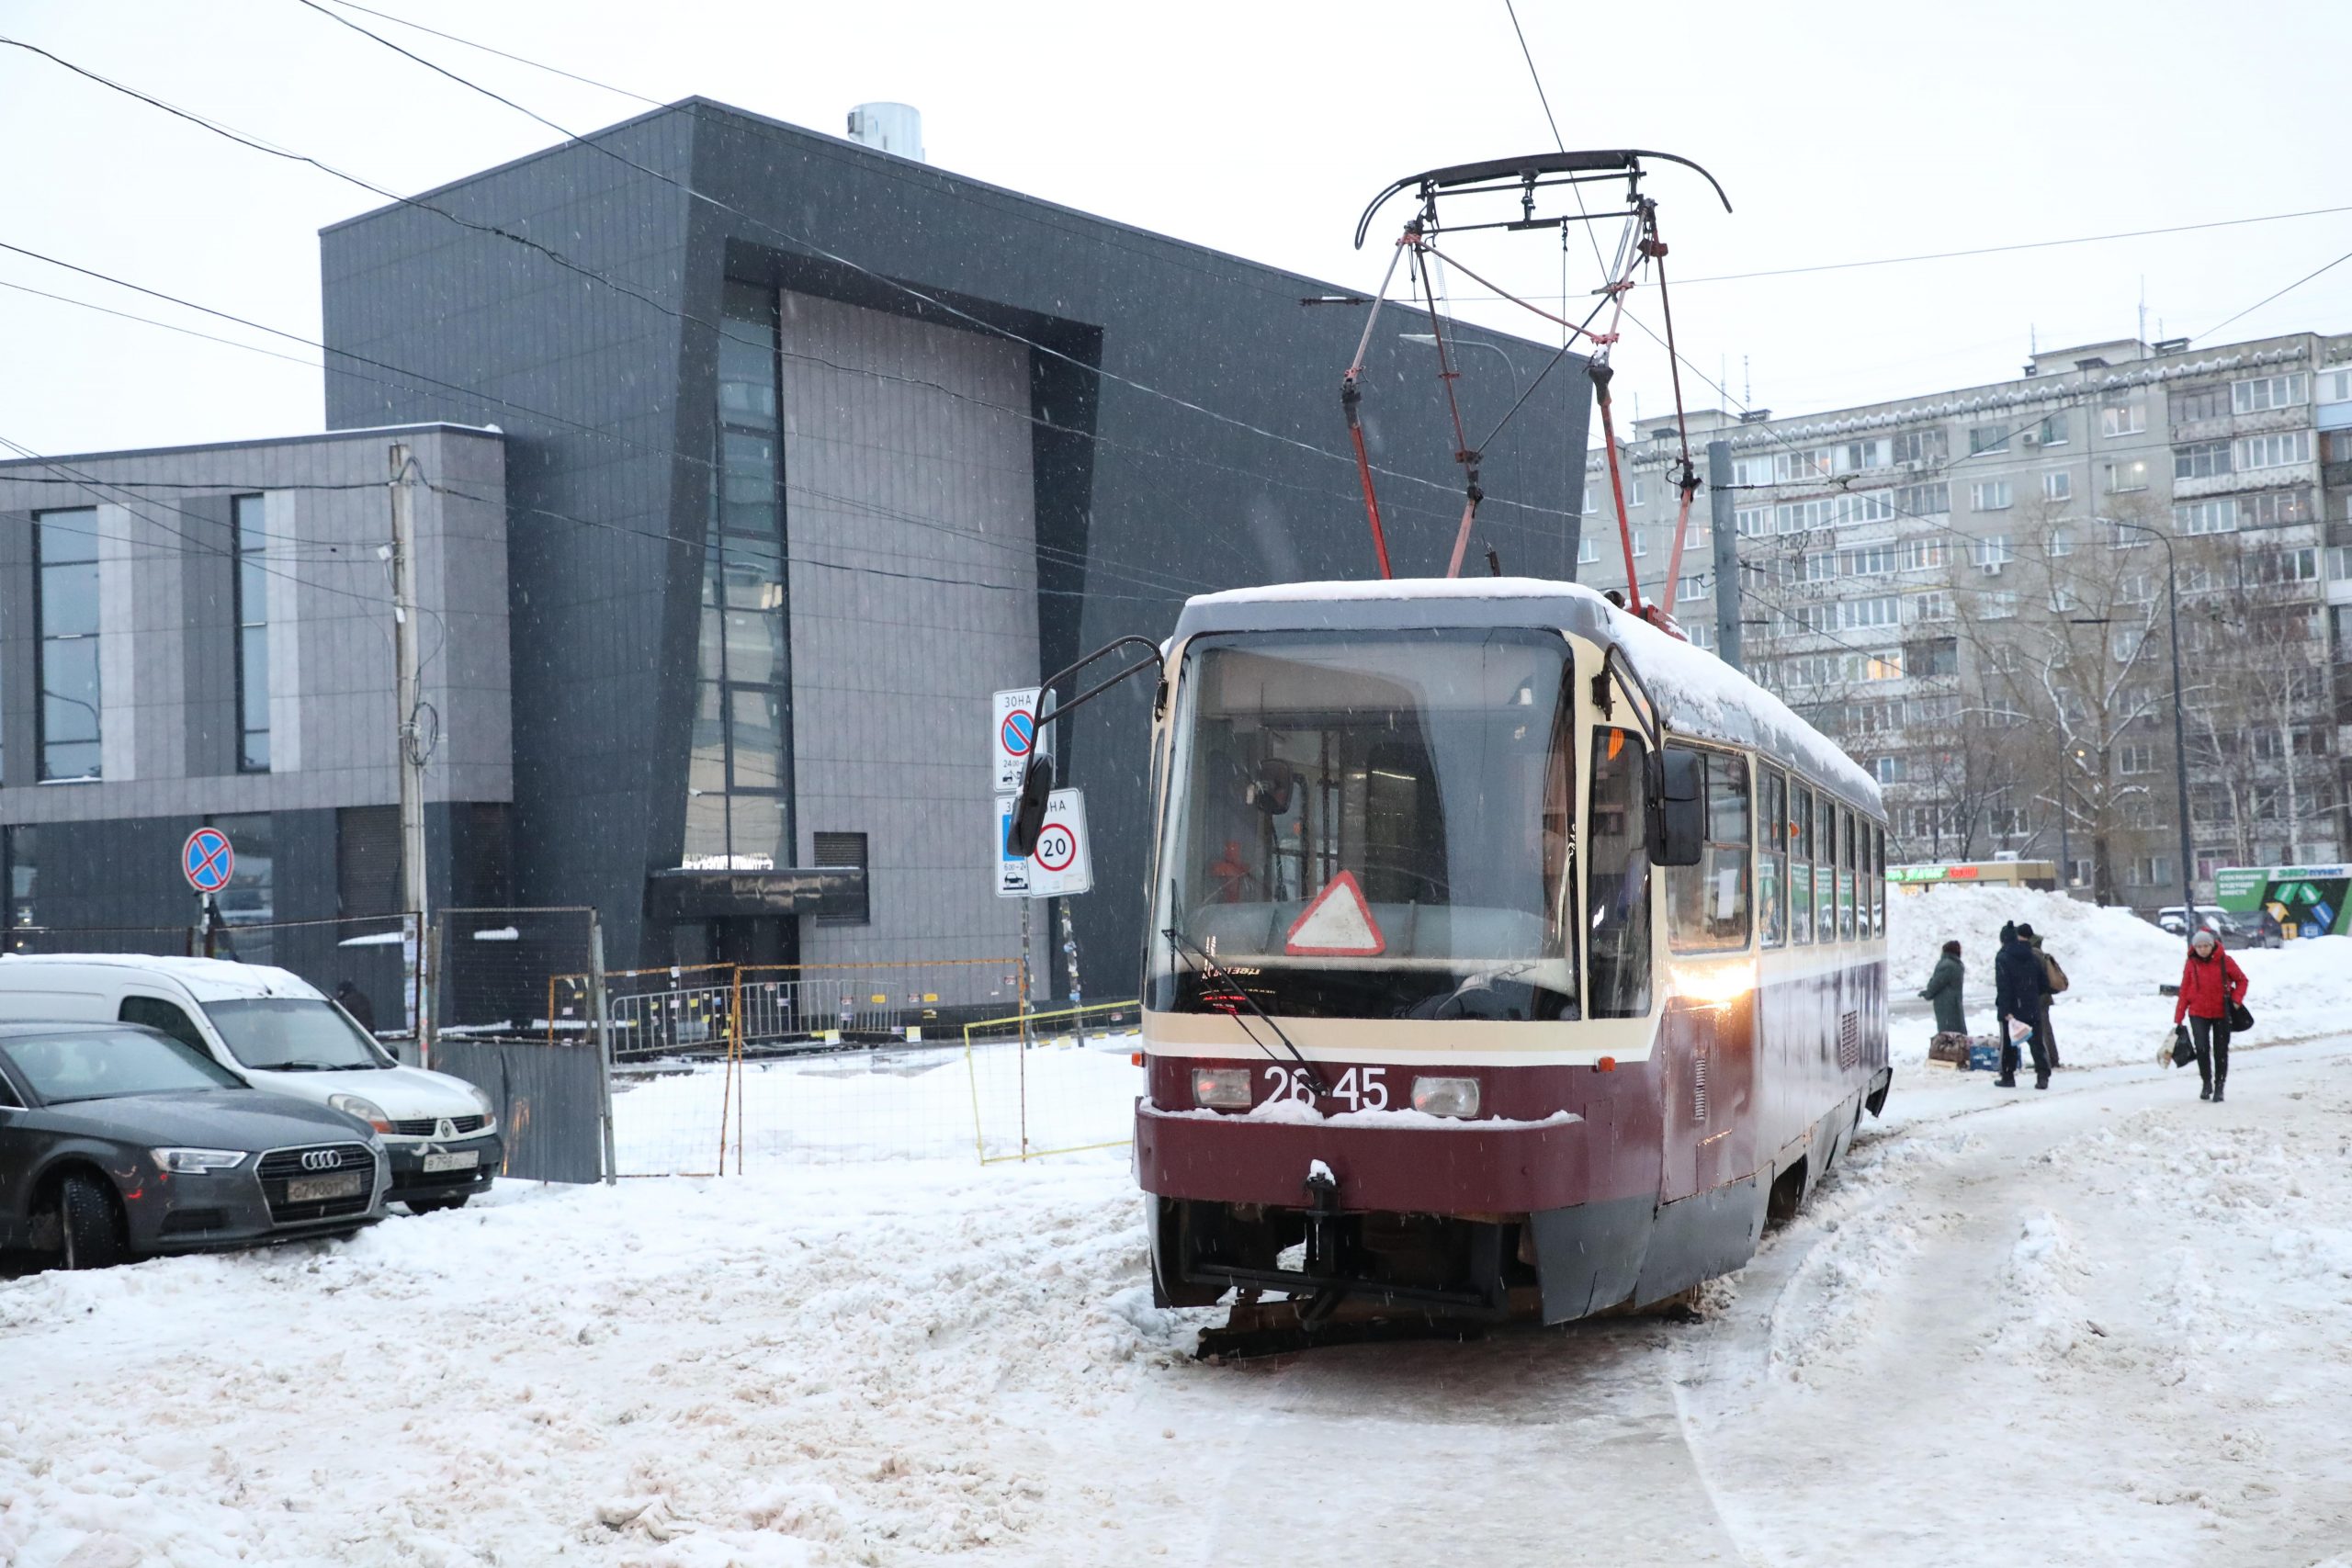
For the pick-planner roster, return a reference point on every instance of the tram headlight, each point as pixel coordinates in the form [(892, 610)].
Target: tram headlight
[(1221, 1089), (1446, 1097)]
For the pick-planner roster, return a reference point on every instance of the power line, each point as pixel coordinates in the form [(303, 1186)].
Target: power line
[(519, 60), (2265, 300)]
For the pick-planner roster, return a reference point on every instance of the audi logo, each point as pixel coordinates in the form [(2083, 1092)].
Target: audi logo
[(322, 1159)]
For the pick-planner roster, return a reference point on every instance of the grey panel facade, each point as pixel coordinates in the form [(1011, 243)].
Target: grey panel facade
[(1182, 430)]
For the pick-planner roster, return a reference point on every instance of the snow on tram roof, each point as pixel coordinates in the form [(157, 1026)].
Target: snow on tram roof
[(1701, 693)]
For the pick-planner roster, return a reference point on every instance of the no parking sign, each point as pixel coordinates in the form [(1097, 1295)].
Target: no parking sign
[(207, 860)]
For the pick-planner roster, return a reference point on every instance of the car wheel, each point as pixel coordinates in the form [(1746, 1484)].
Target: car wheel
[(435, 1205), (93, 1232)]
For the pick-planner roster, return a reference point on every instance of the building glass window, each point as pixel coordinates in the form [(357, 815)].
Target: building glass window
[(253, 635), (738, 771), (23, 845), (250, 899), (66, 613)]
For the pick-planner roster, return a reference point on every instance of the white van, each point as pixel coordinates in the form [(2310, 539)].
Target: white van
[(272, 1029)]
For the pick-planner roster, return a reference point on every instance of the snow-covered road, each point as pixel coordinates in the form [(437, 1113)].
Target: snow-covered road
[(2103, 1325)]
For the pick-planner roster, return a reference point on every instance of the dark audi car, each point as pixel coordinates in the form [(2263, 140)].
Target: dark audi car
[(117, 1142)]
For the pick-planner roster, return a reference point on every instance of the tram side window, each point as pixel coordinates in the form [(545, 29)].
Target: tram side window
[(1878, 881), (1772, 855), (1706, 905), (1800, 864), (1845, 873), (1825, 868), (1617, 968)]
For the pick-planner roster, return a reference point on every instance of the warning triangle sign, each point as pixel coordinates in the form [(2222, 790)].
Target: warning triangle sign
[(1337, 924)]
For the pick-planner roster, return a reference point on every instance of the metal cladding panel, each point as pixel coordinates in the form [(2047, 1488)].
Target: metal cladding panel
[(906, 451), (548, 1099)]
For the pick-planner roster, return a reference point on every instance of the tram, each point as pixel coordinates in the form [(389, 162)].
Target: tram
[(1509, 956)]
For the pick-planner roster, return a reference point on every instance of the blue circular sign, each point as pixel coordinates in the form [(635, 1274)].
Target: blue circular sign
[(1019, 733), (206, 861)]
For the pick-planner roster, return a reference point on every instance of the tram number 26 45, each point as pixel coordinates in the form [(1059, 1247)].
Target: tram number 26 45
[(1363, 1088)]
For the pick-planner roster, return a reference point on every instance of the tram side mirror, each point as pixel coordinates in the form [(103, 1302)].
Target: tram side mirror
[(1679, 824), (1029, 811)]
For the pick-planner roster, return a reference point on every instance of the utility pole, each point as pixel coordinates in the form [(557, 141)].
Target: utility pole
[(1722, 519), (409, 701)]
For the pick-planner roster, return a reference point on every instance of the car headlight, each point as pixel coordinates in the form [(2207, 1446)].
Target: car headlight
[(197, 1162), (1224, 1089), (368, 1111), (1446, 1097), (489, 1108)]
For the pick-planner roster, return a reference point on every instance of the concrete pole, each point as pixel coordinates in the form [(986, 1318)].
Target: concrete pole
[(408, 700), (1726, 542)]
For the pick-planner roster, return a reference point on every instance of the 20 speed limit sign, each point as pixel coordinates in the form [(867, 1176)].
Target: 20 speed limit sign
[(1060, 863)]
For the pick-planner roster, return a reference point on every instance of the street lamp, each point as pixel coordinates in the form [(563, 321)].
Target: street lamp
[(2179, 726)]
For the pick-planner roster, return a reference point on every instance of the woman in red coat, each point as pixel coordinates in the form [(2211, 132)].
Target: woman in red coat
[(2210, 981)]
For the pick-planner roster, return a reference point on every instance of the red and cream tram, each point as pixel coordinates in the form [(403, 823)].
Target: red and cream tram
[(1509, 956)]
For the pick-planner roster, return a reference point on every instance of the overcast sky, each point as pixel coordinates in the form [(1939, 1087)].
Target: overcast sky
[(1842, 132)]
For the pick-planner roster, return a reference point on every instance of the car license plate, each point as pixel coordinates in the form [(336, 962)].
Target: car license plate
[(320, 1188), (460, 1159)]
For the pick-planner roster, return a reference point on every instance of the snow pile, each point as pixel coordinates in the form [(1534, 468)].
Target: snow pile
[(2111, 1011)]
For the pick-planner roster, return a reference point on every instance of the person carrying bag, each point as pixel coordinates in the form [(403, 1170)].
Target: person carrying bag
[(2212, 1000)]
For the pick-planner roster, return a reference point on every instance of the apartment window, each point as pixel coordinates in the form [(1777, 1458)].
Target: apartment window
[(1591, 494), (1702, 635), (1866, 506), (1751, 470), (249, 513), (1805, 517), (1889, 770), (2276, 506), (1634, 491), (1885, 664), (1690, 588), (1869, 560), (1752, 522), (2058, 486), (2152, 871), (2267, 393), (2135, 757), (2200, 460), (1937, 656), (1923, 500), (2063, 599), (1922, 445), (1587, 550), (66, 613), (2290, 566), (2339, 563), (2051, 432), (1992, 552), (2135, 587), (2216, 516), (1641, 543), (1882, 610), (1925, 555), (1819, 566), (1933, 605), (2335, 386), (2123, 413), (2279, 450), (1988, 438), (2204, 403), (2128, 475), (2125, 643), (2060, 543), (2001, 607), (1989, 495), (846, 850)]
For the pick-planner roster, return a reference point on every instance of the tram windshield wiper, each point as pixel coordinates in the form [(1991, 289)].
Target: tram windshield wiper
[(1225, 1002)]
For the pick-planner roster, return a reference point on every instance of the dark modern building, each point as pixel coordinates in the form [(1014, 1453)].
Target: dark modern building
[(802, 450)]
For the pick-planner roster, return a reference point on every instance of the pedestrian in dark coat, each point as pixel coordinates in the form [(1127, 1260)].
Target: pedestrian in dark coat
[(1943, 989), (2019, 988), (2054, 981), (2210, 981)]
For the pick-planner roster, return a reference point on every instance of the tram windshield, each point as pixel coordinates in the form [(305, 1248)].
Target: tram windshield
[(1370, 825)]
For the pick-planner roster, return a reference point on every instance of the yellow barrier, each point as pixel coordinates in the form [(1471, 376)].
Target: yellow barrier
[(1061, 1095)]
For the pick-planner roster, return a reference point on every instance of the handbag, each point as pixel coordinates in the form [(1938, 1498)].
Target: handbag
[(2240, 1019), (2183, 1053)]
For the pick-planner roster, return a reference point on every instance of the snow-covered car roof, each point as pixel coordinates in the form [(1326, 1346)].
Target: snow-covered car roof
[(1700, 696), (206, 979)]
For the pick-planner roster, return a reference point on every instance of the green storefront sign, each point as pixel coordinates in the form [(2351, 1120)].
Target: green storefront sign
[(2310, 898)]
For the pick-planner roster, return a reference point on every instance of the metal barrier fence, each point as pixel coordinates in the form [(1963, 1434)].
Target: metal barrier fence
[(709, 1011), (1053, 1083), (498, 1024)]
